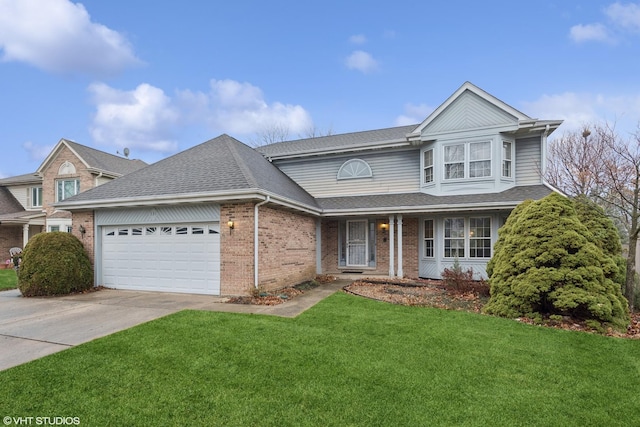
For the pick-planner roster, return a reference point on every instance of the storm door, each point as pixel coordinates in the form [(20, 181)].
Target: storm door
[(357, 232)]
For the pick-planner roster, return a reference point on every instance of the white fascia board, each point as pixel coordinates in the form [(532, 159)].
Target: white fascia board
[(419, 209), (174, 199), (350, 149)]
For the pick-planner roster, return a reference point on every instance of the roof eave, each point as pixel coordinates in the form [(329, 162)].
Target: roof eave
[(354, 148), (419, 209)]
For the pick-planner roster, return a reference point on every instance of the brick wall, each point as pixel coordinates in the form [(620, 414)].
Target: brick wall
[(287, 248), (88, 241), (236, 246), (410, 241), (50, 175)]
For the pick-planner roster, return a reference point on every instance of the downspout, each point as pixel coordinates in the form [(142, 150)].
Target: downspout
[(255, 240), (544, 152)]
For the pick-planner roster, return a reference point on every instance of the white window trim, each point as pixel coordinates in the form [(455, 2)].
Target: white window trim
[(77, 185), (431, 239), (431, 166), (467, 160), (467, 237), (354, 169), (32, 199), (511, 160)]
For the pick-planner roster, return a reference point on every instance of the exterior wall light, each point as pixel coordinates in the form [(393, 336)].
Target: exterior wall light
[(231, 225)]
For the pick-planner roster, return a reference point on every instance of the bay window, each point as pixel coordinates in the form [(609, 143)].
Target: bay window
[(428, 166), (467, 160), (466, 237), (506, 159)]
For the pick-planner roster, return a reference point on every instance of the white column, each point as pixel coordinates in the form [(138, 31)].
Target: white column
[(25, 235), (391, 244), (399, 272)]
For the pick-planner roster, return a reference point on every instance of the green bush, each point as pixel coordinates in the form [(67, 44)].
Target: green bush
[(546, 262), (54, 264)]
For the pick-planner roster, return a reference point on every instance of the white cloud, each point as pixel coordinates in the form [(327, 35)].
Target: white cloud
[(591, 32), (626, 16), (413, 114), (577, 109), (58, 36), (143, 118), (240, 108), (361, 61), (358, 39), (37, 152)]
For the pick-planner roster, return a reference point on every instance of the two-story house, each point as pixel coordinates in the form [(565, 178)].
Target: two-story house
[(223, 218), (26, 201)]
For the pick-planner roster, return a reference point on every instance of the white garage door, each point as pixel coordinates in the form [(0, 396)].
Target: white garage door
[(170, 258)]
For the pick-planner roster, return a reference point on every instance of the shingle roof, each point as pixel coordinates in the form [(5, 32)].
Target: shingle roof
[(340, 142), (104, 161), (29, 178), (220, 165), (420, 200), (8, 203)]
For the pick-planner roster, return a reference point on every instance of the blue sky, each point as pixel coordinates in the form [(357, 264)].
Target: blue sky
[(160, 77)]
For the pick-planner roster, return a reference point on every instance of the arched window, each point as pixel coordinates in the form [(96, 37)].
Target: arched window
[(354, 168), (66, 168)]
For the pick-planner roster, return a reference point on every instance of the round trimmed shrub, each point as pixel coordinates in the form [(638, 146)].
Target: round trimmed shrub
[(546, 263), (54, 263)]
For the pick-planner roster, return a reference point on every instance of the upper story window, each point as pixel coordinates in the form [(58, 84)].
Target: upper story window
[(428, 166), (507, 168), (467, 160), (354, 168), (67, 168), (66, 188), (36, 197)]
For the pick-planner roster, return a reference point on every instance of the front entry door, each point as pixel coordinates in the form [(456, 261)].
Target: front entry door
[(357, 243)]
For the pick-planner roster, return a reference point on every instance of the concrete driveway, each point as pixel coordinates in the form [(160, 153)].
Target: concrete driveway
[(31, 328)]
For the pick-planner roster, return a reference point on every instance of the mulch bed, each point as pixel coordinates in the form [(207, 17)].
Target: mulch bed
[(282, 295), (432, 293)]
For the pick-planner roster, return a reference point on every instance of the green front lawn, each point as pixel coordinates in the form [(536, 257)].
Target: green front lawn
[(346, 361), (8, 279)]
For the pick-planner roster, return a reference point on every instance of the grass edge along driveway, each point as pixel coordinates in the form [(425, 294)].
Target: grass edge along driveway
[(346, 361)]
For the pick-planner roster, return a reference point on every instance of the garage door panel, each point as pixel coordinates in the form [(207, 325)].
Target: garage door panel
[(156, 257)]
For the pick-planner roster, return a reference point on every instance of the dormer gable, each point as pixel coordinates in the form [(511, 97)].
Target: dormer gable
[(468, 108)]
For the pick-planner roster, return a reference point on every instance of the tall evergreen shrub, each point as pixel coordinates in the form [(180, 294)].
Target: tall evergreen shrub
[(546, 262)]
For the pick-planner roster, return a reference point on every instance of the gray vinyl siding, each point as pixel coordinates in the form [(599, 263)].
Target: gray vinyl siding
[(469, 112), (528, 161), (21, 193), (158, 214), (393, 172)]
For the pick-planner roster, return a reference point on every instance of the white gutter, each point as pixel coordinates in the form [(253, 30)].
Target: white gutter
[(255, 240), (544, 151)]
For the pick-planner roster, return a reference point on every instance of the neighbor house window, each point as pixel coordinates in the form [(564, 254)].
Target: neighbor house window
[(66, 188), (36, 197), (480, 237), (506, 159), (454, 237), (428, 239), (428, 166)]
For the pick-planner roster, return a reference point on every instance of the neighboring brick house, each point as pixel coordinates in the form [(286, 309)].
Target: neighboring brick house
[(223, 218), (26, 201)]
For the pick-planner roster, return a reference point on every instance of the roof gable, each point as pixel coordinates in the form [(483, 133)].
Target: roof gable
[(219, 166), (469, 108), (93, 159)]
